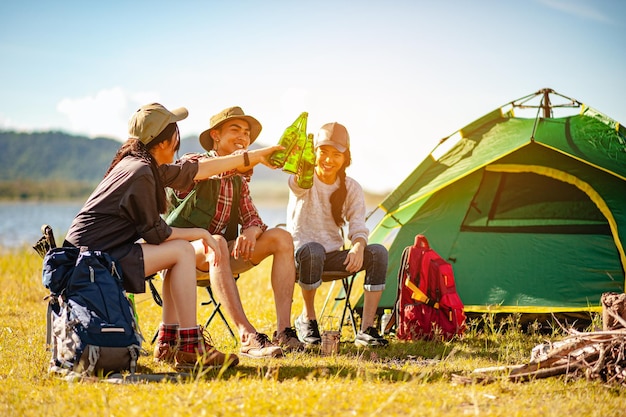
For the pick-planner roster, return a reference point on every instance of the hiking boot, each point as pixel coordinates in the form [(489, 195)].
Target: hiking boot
[(196, 350), (164, 352), (288, 340), (308, 331), (260, 346), (166, 343), (370, 338)]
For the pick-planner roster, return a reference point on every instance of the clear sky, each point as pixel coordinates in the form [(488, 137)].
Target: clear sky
[(400, 75)]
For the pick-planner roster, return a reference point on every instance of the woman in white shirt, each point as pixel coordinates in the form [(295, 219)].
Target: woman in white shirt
[(315, 217)]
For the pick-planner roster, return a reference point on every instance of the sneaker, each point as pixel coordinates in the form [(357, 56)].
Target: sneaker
[(204, 354), (370, 337), (288, 340), (308, 331), (260, 346)]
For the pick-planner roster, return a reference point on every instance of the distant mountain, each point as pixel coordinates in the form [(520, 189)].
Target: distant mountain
[(54, 156), (56, 164), (52, 165), (58, 155)]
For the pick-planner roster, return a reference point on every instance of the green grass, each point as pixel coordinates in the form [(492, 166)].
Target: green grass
[(405, 379)]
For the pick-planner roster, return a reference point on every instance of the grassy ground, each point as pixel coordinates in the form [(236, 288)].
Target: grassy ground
[(404, 379)]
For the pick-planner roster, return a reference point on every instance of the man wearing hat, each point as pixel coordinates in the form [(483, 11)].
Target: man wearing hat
[(231, 133)]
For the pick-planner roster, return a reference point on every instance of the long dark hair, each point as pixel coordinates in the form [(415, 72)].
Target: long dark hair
[(136, 148), (338, 198)]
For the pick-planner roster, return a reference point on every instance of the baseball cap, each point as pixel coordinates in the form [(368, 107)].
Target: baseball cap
[(335, 135), (151, 119)]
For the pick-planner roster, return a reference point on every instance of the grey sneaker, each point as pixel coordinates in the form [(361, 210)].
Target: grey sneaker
[(259, 346), (308, 331), (370, 337), (288, 340)]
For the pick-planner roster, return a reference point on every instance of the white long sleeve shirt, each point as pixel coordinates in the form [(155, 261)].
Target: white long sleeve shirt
[(309, 216)]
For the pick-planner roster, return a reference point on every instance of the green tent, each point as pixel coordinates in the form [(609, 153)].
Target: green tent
[(529, 211)]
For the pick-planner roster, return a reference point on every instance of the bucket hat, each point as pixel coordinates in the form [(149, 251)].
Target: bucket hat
[(335, 135), (228, 114), (151, 119)]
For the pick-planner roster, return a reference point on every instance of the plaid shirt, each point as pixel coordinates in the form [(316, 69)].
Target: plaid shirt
[(248, 214)]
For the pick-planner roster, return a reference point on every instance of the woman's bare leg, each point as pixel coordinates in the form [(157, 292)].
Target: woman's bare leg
[(179, 286)]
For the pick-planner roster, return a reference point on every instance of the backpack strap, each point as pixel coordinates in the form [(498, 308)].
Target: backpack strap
[(402, 272)]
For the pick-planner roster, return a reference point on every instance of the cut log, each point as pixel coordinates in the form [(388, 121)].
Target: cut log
[(613, 303)]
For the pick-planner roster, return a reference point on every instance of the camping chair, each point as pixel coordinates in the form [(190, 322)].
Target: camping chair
[(217, 310), (45, 242), (42, 246), (347, 279), (205, 283)]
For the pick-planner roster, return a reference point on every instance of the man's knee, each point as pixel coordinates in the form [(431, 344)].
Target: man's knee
[(277, 240), (222, 243)]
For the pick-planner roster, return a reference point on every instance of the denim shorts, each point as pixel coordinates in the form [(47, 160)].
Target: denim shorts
[(312, 260)]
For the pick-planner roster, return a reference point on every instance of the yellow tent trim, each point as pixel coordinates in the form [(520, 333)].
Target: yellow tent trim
[(529, 309), (581, 185), (446, 184), (582, 160)]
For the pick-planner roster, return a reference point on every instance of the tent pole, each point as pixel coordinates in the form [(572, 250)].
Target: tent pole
[(546, 105)]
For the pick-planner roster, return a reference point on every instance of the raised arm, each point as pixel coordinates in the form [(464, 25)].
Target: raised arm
[(212, 166)]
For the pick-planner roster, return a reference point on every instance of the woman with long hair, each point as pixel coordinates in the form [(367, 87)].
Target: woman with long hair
[(315, 218)]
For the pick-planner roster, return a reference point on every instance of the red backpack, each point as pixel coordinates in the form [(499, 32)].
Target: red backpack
[(427, 304)]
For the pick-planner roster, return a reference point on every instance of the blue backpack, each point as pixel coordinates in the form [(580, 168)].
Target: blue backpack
[(91, 323)]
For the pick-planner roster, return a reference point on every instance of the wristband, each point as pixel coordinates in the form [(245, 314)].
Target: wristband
[(246, 159)]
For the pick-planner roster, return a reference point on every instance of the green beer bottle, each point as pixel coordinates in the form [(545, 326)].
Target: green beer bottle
[(288, 140), (293, 160), (306, 169)]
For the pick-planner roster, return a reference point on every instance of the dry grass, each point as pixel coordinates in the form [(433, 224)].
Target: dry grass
[(404, 379)]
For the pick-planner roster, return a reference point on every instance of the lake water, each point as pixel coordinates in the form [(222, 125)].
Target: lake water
[(20, 222)]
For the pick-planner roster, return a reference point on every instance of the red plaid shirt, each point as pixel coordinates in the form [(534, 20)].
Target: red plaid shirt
[(248, 214)]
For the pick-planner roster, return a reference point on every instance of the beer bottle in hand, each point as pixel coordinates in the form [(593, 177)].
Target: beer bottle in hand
[(306, 169), (293, 159), (288, 140)]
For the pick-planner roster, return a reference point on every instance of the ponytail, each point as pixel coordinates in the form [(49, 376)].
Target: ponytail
[(338, 198)]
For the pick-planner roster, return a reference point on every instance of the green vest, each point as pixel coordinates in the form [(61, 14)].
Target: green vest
[(197, 209)]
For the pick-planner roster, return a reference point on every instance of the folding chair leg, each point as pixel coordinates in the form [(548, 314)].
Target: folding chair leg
[(217, 310), (347, 307), (328, 296)]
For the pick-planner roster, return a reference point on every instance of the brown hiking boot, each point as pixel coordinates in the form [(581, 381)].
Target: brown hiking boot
[(259, 346), (211, 359), (164, 352), (166, 343), (203, 355), (288, 340)]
